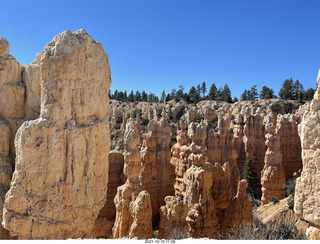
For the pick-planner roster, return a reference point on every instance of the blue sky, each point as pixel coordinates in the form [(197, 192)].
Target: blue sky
[(159, 45)]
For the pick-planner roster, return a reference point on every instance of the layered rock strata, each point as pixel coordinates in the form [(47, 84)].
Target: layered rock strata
[(59, 183), (307, 192)]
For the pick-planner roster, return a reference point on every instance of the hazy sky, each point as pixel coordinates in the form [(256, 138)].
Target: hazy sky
[(159, 45)]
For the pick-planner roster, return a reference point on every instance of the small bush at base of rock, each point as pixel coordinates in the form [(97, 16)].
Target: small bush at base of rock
[(273, 199), (285, 230)]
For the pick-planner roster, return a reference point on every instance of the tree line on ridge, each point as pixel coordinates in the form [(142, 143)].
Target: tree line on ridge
[(290, 90)]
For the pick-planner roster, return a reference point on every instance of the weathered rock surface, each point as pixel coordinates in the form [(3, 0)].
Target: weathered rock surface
[(307, 202), (104, 222), (157, 174), (12, 93), (272, 176), (5, 169), (133, 205), (60, 179), (290, 144), (204, 192)]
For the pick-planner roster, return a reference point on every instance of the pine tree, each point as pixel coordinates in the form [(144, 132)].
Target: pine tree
[(213, 92), (251, 177), (286, 92), (163, 96), (203, 88)]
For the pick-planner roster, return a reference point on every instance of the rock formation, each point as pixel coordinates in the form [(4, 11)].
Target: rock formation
[(206, 198), (254, 140), (272, 175), (180, 153), (12, 92), (157, 174), (59, 183), (290, 144), (133, 206), (5, 170), (307, 202), (104, 222)]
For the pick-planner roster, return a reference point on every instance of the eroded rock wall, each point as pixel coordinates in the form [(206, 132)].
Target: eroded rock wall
[(307, 192), (272, 176), (206, 194), (157, 174), (59, 183), (104, 223), (133, 205)]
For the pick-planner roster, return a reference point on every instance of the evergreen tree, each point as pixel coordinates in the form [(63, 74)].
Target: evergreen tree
[(235, 99), (203, 88), (163, 96), (213, 92), (137, 97), (296, 89), (244, 96), (144, 96), (253, 93), (193, 95), (250, 175), (121, 96), (308, 95), (125, 96), (173, 93), (226, 94), (266, 93), (116, 95), (286, 91), (131, 97), (179, 93), (168, 97), (219, 94), (199, 90)]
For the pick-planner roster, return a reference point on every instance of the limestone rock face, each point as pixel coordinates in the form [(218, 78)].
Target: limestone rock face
[(272, 175), (59, 183), (307, 203)]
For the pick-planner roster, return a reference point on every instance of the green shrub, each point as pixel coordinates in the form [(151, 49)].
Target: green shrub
[(250, 175), (290, 186), (273, 199), (290, 201)]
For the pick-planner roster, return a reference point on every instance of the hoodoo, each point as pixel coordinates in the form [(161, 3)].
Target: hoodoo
[(61, 171)]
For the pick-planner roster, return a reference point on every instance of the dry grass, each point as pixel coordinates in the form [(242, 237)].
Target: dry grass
[(283, 229)]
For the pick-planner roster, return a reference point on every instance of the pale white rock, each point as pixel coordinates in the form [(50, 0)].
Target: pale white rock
[(307, 193), (59, 183)]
